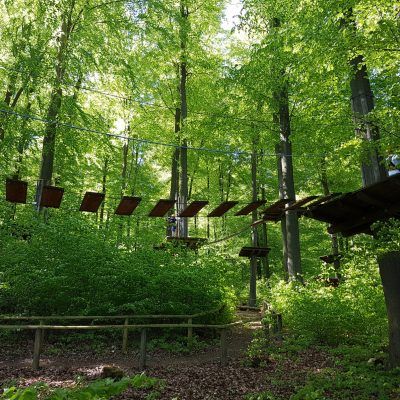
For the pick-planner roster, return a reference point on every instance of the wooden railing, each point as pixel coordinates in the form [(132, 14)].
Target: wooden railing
[(42, 327)]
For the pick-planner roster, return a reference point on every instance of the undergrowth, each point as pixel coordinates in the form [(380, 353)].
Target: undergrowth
[(98, 390)]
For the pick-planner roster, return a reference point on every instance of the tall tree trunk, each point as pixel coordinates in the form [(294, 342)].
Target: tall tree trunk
[(334, 237), (263, 242), (254, 233), (282, 116), (124, 169), (292, 221), (362, 103), (283, 219), (183, 189), (372, 168), (7, 100), (389, 268), (49, 139), (103, 190)]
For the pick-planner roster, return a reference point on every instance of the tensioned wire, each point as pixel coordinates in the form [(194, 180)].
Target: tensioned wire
[(153, 142)]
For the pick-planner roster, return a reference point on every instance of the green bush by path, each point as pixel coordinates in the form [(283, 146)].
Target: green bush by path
[(69, 269), (354, 312), (101, 389)]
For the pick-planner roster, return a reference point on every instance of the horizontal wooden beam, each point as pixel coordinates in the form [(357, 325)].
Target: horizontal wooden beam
[(123, 326)]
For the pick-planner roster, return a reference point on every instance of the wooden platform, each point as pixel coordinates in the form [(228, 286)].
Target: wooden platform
[(353, 213), (254, 251)]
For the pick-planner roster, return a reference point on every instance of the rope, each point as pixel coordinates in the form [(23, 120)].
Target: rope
[(236, 153)]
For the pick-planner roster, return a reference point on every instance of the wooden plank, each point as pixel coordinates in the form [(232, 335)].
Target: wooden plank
[(51, 196), (16, 191), (99, 327), (127, 205), (300, 203), (143, 345), (246, 210), (276, 207), (367, 198), (105, 317), (91, 202), (254, 251), (367, 219), (161, 208), (324, 199), (222, 209), (193, 208), (192, 243)]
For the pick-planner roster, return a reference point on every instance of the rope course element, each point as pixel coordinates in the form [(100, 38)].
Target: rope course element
[(153, 142)]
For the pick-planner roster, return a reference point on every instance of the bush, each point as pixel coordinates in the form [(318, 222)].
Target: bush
[(67, 268), (351, 313)]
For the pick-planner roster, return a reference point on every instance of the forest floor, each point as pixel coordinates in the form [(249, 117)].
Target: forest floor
[(196, 375)]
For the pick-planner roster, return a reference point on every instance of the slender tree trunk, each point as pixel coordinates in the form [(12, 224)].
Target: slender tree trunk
[(334, 237), (208, 191), (283, 219), (124, 169), (254, 233), (372, 168), (292, 221), (282, 116), (49, 139), (7, 100), (263, 242), (103, 190), (183, 189), (389, 268), (362, 102)]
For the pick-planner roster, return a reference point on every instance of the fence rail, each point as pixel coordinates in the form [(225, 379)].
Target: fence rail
[(42, 327)]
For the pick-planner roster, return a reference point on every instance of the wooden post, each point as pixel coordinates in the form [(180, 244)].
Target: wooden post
[(389, 269), (42, 331), (142, 359), (125, 337), (224, 348), (190, 332), (36, 349), (253, 282)]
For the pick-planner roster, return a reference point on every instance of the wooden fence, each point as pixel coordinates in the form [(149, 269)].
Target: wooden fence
[(125, 327)]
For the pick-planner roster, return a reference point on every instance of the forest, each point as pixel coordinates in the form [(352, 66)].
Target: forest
[(199, 199)]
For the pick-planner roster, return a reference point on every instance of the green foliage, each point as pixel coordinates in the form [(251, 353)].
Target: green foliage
[(257, 352), (387, 236), (351, 313), (88, 275), (98, 390), (353, 377)]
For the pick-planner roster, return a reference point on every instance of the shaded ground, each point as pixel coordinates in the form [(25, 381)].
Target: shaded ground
[(197, 375)]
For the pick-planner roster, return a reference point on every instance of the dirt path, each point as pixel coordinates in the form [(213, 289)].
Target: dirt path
[(194, 376)]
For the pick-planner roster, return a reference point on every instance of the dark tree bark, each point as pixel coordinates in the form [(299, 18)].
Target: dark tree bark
[(334, 237), (362, 101), (53, 111), (104, 188), (389, 268), (263, 242), (283, 219), (282, 118), (254, 233), (183, 230)]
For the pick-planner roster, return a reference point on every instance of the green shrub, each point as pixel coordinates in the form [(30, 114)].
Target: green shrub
[(351, 313), (67, 268)]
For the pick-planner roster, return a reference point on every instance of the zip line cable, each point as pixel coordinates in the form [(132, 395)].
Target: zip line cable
[(147, 141), (144, 105)]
